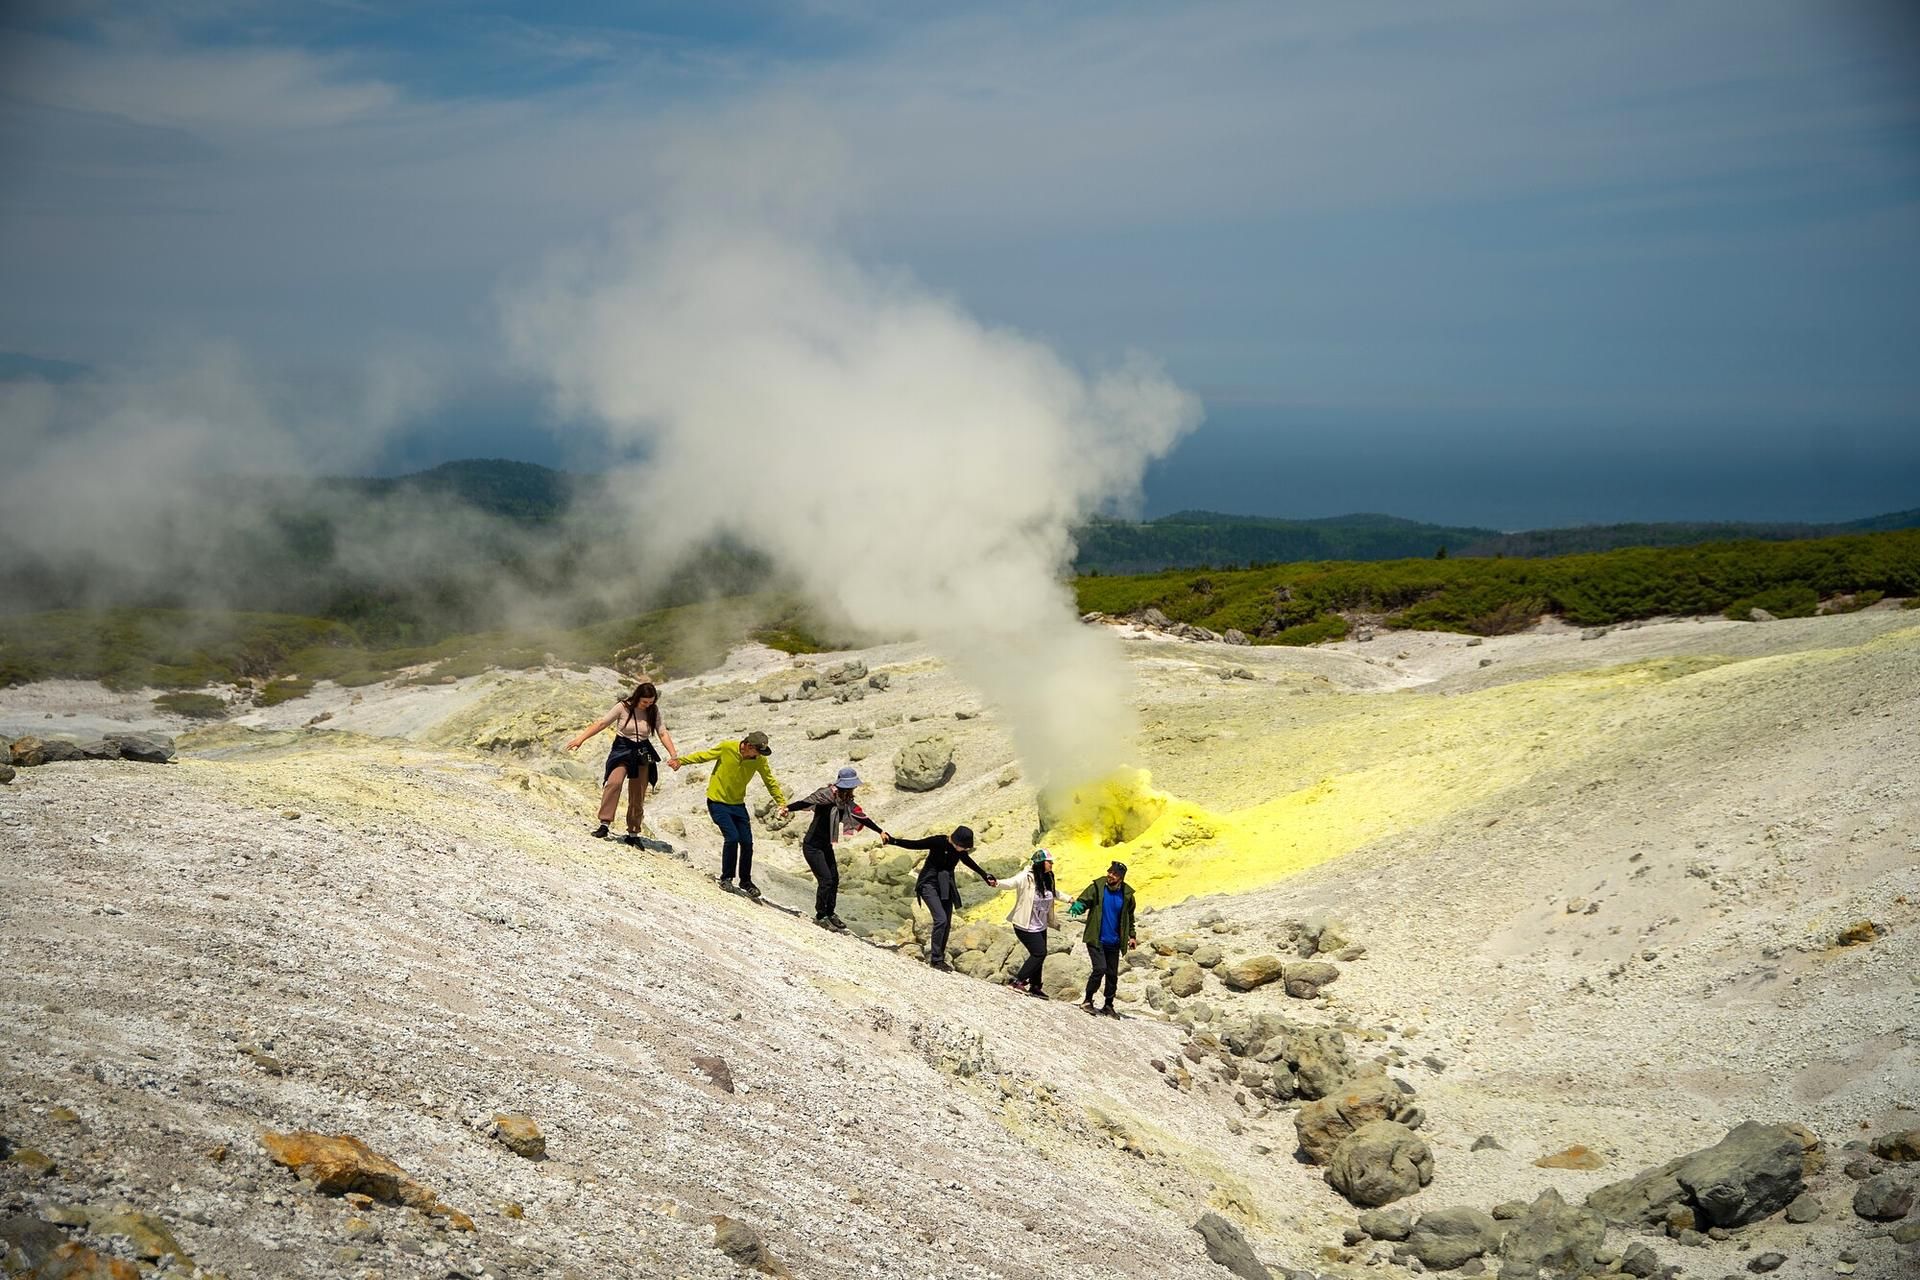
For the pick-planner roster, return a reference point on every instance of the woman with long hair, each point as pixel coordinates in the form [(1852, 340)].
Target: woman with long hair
[(633, 760), (1032, 915)]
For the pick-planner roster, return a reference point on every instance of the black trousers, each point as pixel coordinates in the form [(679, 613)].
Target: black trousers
[(1106, 967), (1035, 941), (937, 893), (826, 878)]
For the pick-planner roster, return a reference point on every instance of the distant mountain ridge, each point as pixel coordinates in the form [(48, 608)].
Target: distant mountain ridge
[(526, 492)]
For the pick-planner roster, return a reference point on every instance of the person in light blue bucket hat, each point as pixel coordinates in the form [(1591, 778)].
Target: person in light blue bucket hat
[(834, 815)]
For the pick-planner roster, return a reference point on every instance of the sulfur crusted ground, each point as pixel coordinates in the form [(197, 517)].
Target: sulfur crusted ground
[(1599, 882)]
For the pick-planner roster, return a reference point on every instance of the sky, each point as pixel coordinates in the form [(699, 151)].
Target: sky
[(1490, 262)]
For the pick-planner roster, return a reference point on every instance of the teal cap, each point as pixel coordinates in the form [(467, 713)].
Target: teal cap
[(1041, 855)]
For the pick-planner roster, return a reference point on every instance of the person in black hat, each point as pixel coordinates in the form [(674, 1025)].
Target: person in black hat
[(936, 886), (1108, 905)]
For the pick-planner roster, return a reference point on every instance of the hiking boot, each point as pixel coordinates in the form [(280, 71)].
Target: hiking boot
[(751, 890), (600, 832), (940, 966), (727, 886), (1107, 1010), (632, 838), (1087, 1004), (1037, 993), (839, 925), (1016, 984), (824, 923)]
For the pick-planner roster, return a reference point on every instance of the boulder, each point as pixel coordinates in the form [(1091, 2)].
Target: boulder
[(745, 1246), (146, 1235), (847, 672), (924, 764), (6, 773), (1154, 618), (1803, 1210), (1883, 1198), (1250, 972), (1304, 979), (1445, 1238), (31, 752), (1902, 1147), (1208, 954), (1380, 1163), (1757, 1169), (1186, 979), (146, 748), (1233, 635), (342, 1163), (1640, 1261), (1554, 1235), (1229, 1248), (1323, 1125)]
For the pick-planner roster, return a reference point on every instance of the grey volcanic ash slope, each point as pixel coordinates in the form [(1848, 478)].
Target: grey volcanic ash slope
[(429, 941)]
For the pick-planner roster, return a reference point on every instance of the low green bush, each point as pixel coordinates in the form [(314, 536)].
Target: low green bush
[(197, 706), (279, 691)]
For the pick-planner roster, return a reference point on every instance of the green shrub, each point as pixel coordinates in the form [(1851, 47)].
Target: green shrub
[(279, 691), (1781, 602), (197, 706), (1330, 627)]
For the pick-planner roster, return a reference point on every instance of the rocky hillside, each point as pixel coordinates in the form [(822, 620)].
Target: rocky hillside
[(1588, 954)]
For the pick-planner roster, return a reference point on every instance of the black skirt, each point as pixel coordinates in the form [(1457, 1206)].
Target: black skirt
[(633, 753)]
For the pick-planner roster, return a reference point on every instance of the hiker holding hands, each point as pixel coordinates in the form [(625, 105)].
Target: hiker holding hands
[(936, 886), (1108, 905)]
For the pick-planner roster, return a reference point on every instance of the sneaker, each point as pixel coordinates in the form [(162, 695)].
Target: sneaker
[(839, 925), (1108, 1011), (632, 838), (751, 890), (1016, 984), (727, 886), (1038, 994), (1087, 1004), (600, 832), (940, 966), (824, 923)]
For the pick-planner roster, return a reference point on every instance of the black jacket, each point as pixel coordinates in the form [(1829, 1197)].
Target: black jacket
[(821, 831), (942, 856)]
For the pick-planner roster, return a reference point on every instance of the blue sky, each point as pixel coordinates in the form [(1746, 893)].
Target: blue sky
[(1488, 261)]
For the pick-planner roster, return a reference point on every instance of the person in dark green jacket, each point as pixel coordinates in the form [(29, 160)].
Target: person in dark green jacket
[(1108, 905)]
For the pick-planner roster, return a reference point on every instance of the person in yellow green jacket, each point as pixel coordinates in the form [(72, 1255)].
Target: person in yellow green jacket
[(734, 766)]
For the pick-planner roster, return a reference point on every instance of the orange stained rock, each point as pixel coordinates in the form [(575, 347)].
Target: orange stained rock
[(341, 1164)]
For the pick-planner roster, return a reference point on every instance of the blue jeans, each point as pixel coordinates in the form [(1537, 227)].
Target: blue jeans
[(737, 830)]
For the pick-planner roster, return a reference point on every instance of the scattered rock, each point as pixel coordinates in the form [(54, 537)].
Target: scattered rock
[(1228, 1247), (1186, 979), (31, 1247), (1486, 1142), (1902, 1147), (1883, 1198), (7, 773), (820, 734), (1906, 1233), (924, 764), (146, 1235), (1640, 1260), (879, 680), (33, 1161), (1507, 1210), (1251, 972), (1855, 934), (1233, 635), (1444, 1238), (1766, 1262), (743, 1244), (716, 1070), (1804, 1209), (847, 672), (1757, 614), (1304, 980), (519, 1134), (1551, 1234), (1574, 1157), (1387, 1224), (1381, 1162), (1757, 1169), (31, 752)]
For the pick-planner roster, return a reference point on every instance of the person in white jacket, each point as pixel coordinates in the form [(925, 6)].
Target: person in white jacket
[(1032, 915)]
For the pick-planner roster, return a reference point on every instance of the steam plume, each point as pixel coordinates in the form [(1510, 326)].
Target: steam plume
[(904, 465)]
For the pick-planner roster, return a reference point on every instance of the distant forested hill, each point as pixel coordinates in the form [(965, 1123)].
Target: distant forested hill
[(1205, 539)]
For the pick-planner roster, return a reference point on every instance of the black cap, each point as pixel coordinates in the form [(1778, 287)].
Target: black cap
[(1118, 868), (962, 837)]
